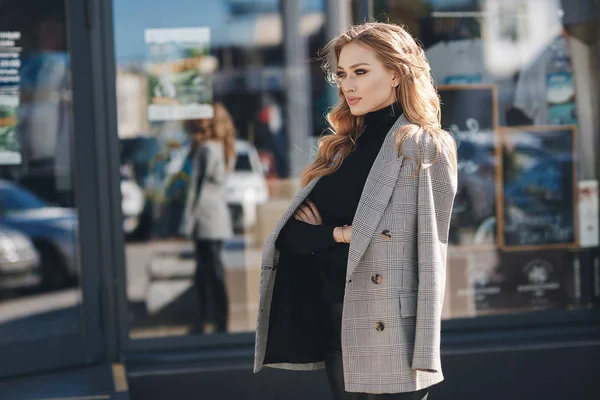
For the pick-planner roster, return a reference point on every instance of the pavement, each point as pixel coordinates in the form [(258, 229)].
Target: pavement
[(160, 292)]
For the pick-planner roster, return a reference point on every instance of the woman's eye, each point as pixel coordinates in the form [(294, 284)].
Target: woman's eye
[(340, 75), (360, 72)]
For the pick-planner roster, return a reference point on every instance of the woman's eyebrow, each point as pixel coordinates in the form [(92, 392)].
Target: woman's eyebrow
[(354, 65)]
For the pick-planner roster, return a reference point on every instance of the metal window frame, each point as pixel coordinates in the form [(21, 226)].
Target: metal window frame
[(93, 343)]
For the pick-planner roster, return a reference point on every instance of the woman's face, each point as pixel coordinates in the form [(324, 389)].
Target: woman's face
[(202, 127), (366, 83)]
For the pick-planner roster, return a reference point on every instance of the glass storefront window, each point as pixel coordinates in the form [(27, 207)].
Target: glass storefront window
[(181, 66), (516, 82), (40, 293)]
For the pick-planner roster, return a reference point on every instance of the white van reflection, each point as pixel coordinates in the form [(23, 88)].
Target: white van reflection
[(53, 231), (246, 187)]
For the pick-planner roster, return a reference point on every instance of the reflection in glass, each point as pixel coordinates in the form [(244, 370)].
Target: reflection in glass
[(240, 66), (510, 67), (39, 265), (511, 98)]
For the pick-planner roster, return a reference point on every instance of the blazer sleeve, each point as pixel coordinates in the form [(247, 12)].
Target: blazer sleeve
[(437, 188)]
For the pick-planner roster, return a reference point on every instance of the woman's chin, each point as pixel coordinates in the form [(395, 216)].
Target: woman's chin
[(357, 111)]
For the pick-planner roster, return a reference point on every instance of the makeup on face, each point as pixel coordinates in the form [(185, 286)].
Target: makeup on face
[(364, 80)]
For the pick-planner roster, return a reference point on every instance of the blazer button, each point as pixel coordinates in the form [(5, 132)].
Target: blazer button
[(379, 326), (386, 235), (376, 279)]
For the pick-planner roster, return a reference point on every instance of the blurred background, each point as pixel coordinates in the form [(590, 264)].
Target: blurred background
[(97, 293)]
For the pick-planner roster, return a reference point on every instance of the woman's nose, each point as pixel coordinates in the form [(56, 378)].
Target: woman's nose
[(348, 87)]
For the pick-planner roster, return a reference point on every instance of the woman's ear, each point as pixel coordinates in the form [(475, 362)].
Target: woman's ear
[(395, 79)]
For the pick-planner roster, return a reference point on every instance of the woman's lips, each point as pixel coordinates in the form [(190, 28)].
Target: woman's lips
[(352, 100)]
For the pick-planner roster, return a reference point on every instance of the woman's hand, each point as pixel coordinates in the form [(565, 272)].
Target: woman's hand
[(308, 213)]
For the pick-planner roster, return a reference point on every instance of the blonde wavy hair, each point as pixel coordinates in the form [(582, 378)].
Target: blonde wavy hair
[(398, 52), (220, 129)]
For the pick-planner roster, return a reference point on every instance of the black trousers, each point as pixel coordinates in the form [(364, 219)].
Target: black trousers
[(335, 368), (210, 284)]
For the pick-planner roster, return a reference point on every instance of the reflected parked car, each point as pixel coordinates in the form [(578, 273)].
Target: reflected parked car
[(19, 261), (141, 155), (246, 186), (53, 231)]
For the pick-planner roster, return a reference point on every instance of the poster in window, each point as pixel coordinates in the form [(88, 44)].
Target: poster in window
[(469, 112), (10, 63), (538, 201), (180, 74), (10, 148)]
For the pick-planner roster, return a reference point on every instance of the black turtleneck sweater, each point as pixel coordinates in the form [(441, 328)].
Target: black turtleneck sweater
[(336, 196)]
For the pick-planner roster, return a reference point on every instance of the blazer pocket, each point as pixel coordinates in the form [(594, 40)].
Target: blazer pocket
[(408, 305)]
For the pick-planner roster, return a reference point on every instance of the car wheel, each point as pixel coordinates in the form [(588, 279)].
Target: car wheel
[(55, 274)]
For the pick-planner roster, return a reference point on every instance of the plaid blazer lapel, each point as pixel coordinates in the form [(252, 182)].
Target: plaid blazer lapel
[(375, 196)]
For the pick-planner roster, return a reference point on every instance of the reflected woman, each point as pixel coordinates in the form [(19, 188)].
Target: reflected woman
[(353, 275), (206, 217)]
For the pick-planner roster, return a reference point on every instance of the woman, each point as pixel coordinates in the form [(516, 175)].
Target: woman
[(369, 231), (206, 216)]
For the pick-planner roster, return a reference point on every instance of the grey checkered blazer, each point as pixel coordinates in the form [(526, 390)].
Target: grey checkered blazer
[(390, 325)]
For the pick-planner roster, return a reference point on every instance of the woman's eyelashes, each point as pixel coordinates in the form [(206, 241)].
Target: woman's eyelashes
[(341, 74)]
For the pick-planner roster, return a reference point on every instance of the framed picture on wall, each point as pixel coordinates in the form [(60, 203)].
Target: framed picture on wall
[(537, 200), (470, 113)]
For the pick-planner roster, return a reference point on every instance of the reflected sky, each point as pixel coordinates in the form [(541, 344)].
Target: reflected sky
[(131, 18)]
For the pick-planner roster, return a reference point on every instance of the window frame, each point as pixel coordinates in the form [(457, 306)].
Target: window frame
[(93, 343)]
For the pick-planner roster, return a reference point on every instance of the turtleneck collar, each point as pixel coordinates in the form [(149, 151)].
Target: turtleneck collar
[(383, 117), (378, 123)]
